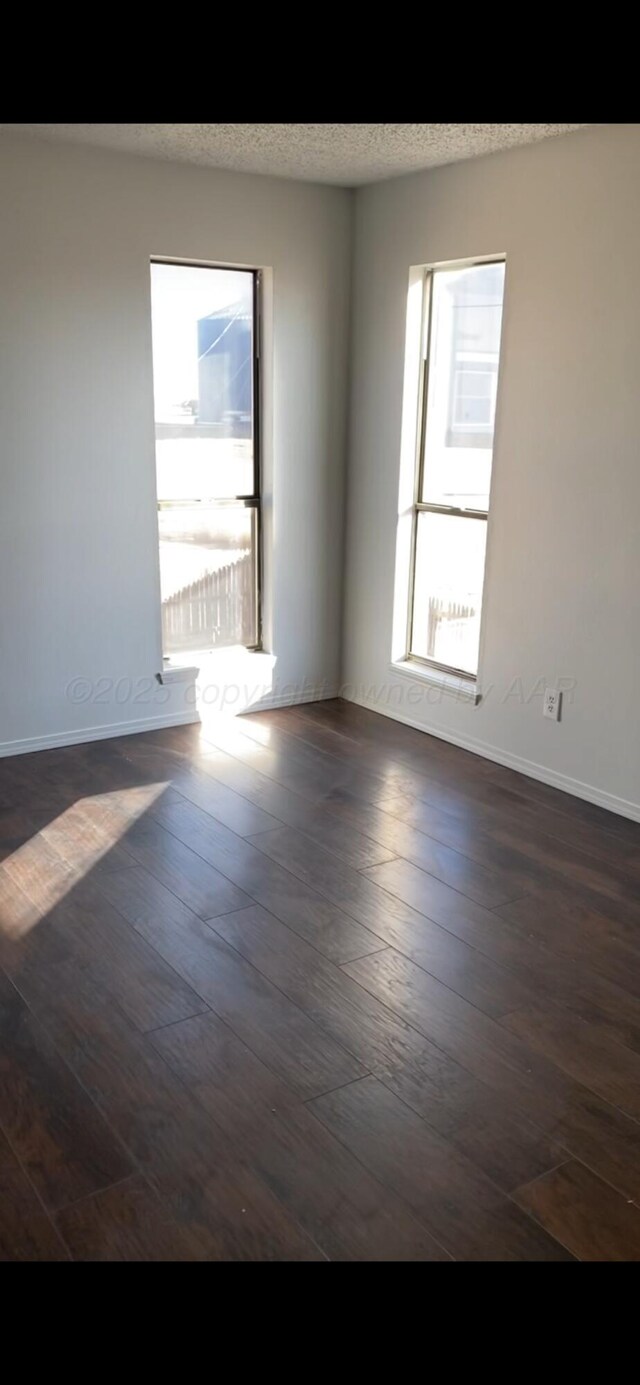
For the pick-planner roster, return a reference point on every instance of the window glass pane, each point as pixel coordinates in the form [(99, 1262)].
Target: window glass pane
[(207, 576), (464, 346), (202, 321), (448, 589)]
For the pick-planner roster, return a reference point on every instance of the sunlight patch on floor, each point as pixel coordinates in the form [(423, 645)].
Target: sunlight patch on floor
[(38, 875)]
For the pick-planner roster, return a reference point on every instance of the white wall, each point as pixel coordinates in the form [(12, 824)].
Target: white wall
[(78, 539), (78, 550), (562, 592)]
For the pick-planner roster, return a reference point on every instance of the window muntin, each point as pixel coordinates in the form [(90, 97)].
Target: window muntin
[(462, 326), (204, 325)]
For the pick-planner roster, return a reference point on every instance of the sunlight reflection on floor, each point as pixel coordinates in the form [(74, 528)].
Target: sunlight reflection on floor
[(38, 875)]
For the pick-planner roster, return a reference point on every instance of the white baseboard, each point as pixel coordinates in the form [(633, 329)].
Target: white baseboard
[(622, 806), (295, 699), (86, 734)]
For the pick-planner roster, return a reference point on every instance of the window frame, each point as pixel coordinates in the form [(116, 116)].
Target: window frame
[(254, 499), (430, 507)]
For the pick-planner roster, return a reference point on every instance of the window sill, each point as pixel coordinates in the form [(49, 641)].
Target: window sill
[(228, 657), (230, 664), (178, 673), (464, 689)]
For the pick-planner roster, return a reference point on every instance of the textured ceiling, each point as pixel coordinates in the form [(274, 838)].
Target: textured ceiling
[(345, 154)]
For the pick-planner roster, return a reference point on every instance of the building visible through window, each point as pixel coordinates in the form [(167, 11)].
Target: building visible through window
[(476, 310)]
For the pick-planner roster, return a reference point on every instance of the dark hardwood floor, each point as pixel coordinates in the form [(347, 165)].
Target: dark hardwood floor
[(311, 985)]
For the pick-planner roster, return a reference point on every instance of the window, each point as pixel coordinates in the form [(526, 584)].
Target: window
[(474, 402), (462, 319), (205, 375)]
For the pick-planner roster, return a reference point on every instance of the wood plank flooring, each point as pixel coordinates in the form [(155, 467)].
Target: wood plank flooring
[(311, 985)]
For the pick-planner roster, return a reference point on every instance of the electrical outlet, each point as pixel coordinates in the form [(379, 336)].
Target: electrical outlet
[(552, 704)]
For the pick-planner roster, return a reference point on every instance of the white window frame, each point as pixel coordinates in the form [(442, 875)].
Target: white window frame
[(403, 659)]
